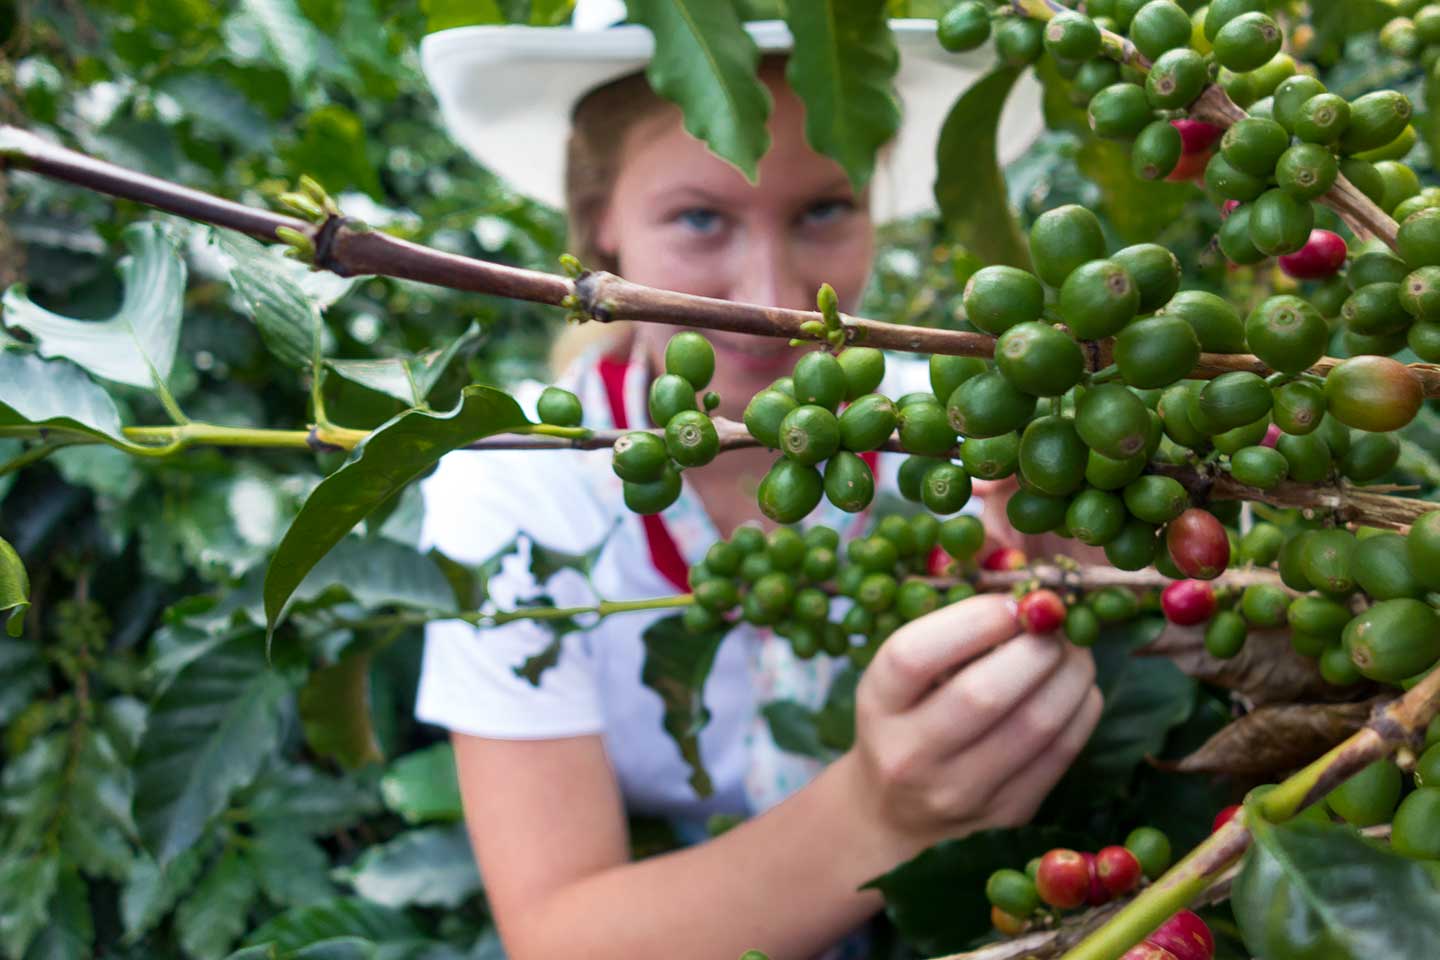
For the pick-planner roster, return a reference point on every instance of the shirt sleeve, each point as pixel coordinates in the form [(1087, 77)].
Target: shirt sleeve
[(477, 505)]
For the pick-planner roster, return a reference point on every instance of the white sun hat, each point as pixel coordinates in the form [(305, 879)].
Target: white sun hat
[(506, 94)]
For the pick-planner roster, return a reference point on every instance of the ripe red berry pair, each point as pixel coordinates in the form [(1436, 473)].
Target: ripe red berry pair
[(1068, 879), (1183, 937)]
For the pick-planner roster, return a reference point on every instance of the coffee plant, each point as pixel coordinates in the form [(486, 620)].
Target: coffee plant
[(1207, 355)]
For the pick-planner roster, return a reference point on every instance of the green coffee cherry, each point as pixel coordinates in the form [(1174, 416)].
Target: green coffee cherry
[(864, 368), (690, 439), (848, 482), (997, 298), (1039, 359), (655, 496), (1225, 635), (945, 488), (1018, 41), (1098, 299), (1152, 848), (1322, 119), (809, 434), (689, 355), (670, 394), (764, 414), (1160, 26), (1157, 151), (1247, 42), (1120, 112), (962, 537), (790, 491), (1072, 36), (639, 457), (1062, 239), (1134, 548), (1052, 456), (966, 26), (925, 429), (1307, 171), (1176, 79), (991, 458), (559, 408), (819, 380)]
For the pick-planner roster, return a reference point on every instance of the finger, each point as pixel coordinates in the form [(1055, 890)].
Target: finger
[(992, 488), (1016, 802), (972, 702), (916, 656)]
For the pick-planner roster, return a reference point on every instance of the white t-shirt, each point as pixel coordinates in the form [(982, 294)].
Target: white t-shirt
[(478, 502)]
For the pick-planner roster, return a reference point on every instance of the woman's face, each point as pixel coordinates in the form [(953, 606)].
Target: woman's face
[(682, 219)]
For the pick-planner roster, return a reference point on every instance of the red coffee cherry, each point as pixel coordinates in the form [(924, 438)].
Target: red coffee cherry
[(1063, 880), (1227, 208), (940, 564), (1188, 602), (1041, 611), (1118, 869), (1186, 936), (1322, 256), (1004, 558), (1224, 817), (1145, 950), (1198, 544), (1197, 136), (1098, 895), (1272, 436)]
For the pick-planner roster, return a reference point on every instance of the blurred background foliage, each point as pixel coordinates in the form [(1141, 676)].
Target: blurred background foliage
[(163, 791)]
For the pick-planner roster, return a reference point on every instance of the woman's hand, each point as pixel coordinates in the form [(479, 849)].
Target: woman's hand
[(964, 723)]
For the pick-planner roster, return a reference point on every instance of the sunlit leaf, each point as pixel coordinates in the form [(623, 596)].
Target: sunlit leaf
[(293, 39), (14, 589), (288, 319), (388, 459), (422, 786), (136, 345), (56, 394), (842, 68), (447, 14), (705, 62), (430, 867), (408, 379)]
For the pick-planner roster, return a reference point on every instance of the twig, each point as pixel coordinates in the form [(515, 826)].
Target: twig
[(349, 249)]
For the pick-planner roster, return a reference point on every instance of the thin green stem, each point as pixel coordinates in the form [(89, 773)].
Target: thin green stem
[(604, 608), (33, 455)]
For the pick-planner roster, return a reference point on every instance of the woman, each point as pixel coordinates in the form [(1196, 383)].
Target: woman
[(963, 722)]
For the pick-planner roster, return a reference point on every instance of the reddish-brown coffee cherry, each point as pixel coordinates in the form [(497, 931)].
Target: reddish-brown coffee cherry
[(1118, 869), (1197, 136), (1041, 611), (1186, 936), (1198, 544), (1145, 950), (1004, 558), (1007, 923), (1063, 880), (1322, 256), (1224, 817), (1188, 602)]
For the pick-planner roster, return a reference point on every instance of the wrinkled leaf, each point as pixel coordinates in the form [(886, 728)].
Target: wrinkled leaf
[(56, 394), (208, 736), (136, 345), (677, 664), (705, 62), (336, 711), (1277, 738), (408, 379), (340, 917), (288, 319), (422, 786), (1267, 669), (214, 914), (842, 68), (385, 461), (429, 867), (969, 185), (14, 590), (1339, 895), (922, 895)]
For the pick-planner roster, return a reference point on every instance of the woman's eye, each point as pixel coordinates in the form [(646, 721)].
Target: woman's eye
[(699, 219), (827, 211)]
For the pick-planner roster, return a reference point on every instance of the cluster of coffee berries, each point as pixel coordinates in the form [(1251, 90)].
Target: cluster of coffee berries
[(1414, 34), (1068, 879), (650, 466), (1378, 795), (786, 580)]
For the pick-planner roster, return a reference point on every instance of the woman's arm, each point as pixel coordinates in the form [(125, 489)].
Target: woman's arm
[(939, 753)]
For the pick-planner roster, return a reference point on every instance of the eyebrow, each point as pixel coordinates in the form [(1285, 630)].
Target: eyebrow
[(693, 194)]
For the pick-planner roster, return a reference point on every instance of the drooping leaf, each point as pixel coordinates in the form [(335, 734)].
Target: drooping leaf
[(969, 185), (408, 379), (336, 711), (677, 664), (14, 590), (208, 736), (56, 394), (389, 458), (445, 14), (842, 67), (1338, 894), (212, 916), (136, 345), (288, 319), (1274, 739), (429, 867), (920, 893), (340, 917), (422, 786), (1267, 669), (705, 62), (290, 868)]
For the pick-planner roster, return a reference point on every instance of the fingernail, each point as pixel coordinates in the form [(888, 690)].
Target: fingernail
[(1012, 607)]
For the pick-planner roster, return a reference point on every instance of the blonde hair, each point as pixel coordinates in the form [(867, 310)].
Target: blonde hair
[(598, 129)]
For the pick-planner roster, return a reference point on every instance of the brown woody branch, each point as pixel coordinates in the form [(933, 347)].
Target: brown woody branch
[(348, 248)]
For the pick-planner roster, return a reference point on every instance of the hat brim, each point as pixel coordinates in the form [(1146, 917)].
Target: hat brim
[(506, 94)]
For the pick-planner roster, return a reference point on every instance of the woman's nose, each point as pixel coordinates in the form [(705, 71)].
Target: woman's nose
[(769, 274)]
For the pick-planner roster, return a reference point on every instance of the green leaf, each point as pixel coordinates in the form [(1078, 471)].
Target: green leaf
[(151, 891), (408, 379), (335, 710), (793, 728), (334, 147), (429, 867), (545, 562), (289, 319), (969, 184), (25, 675), (340, 917), (445, 14), (14, 590), (26, 885), (423, 787), (208, 736), (218, 108), (212, 917), (56, 394), (301, 798), (921, 894), (836, 720), (706, 63), (69, 932), (1328, 888), (136, 345), (550, 13), (384, 462), (293, 41), (96, 829), (290, 868), (677, 664), (842, 67), (535, 665)]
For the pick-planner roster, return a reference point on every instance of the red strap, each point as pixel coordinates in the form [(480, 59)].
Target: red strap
[(664, 554)]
